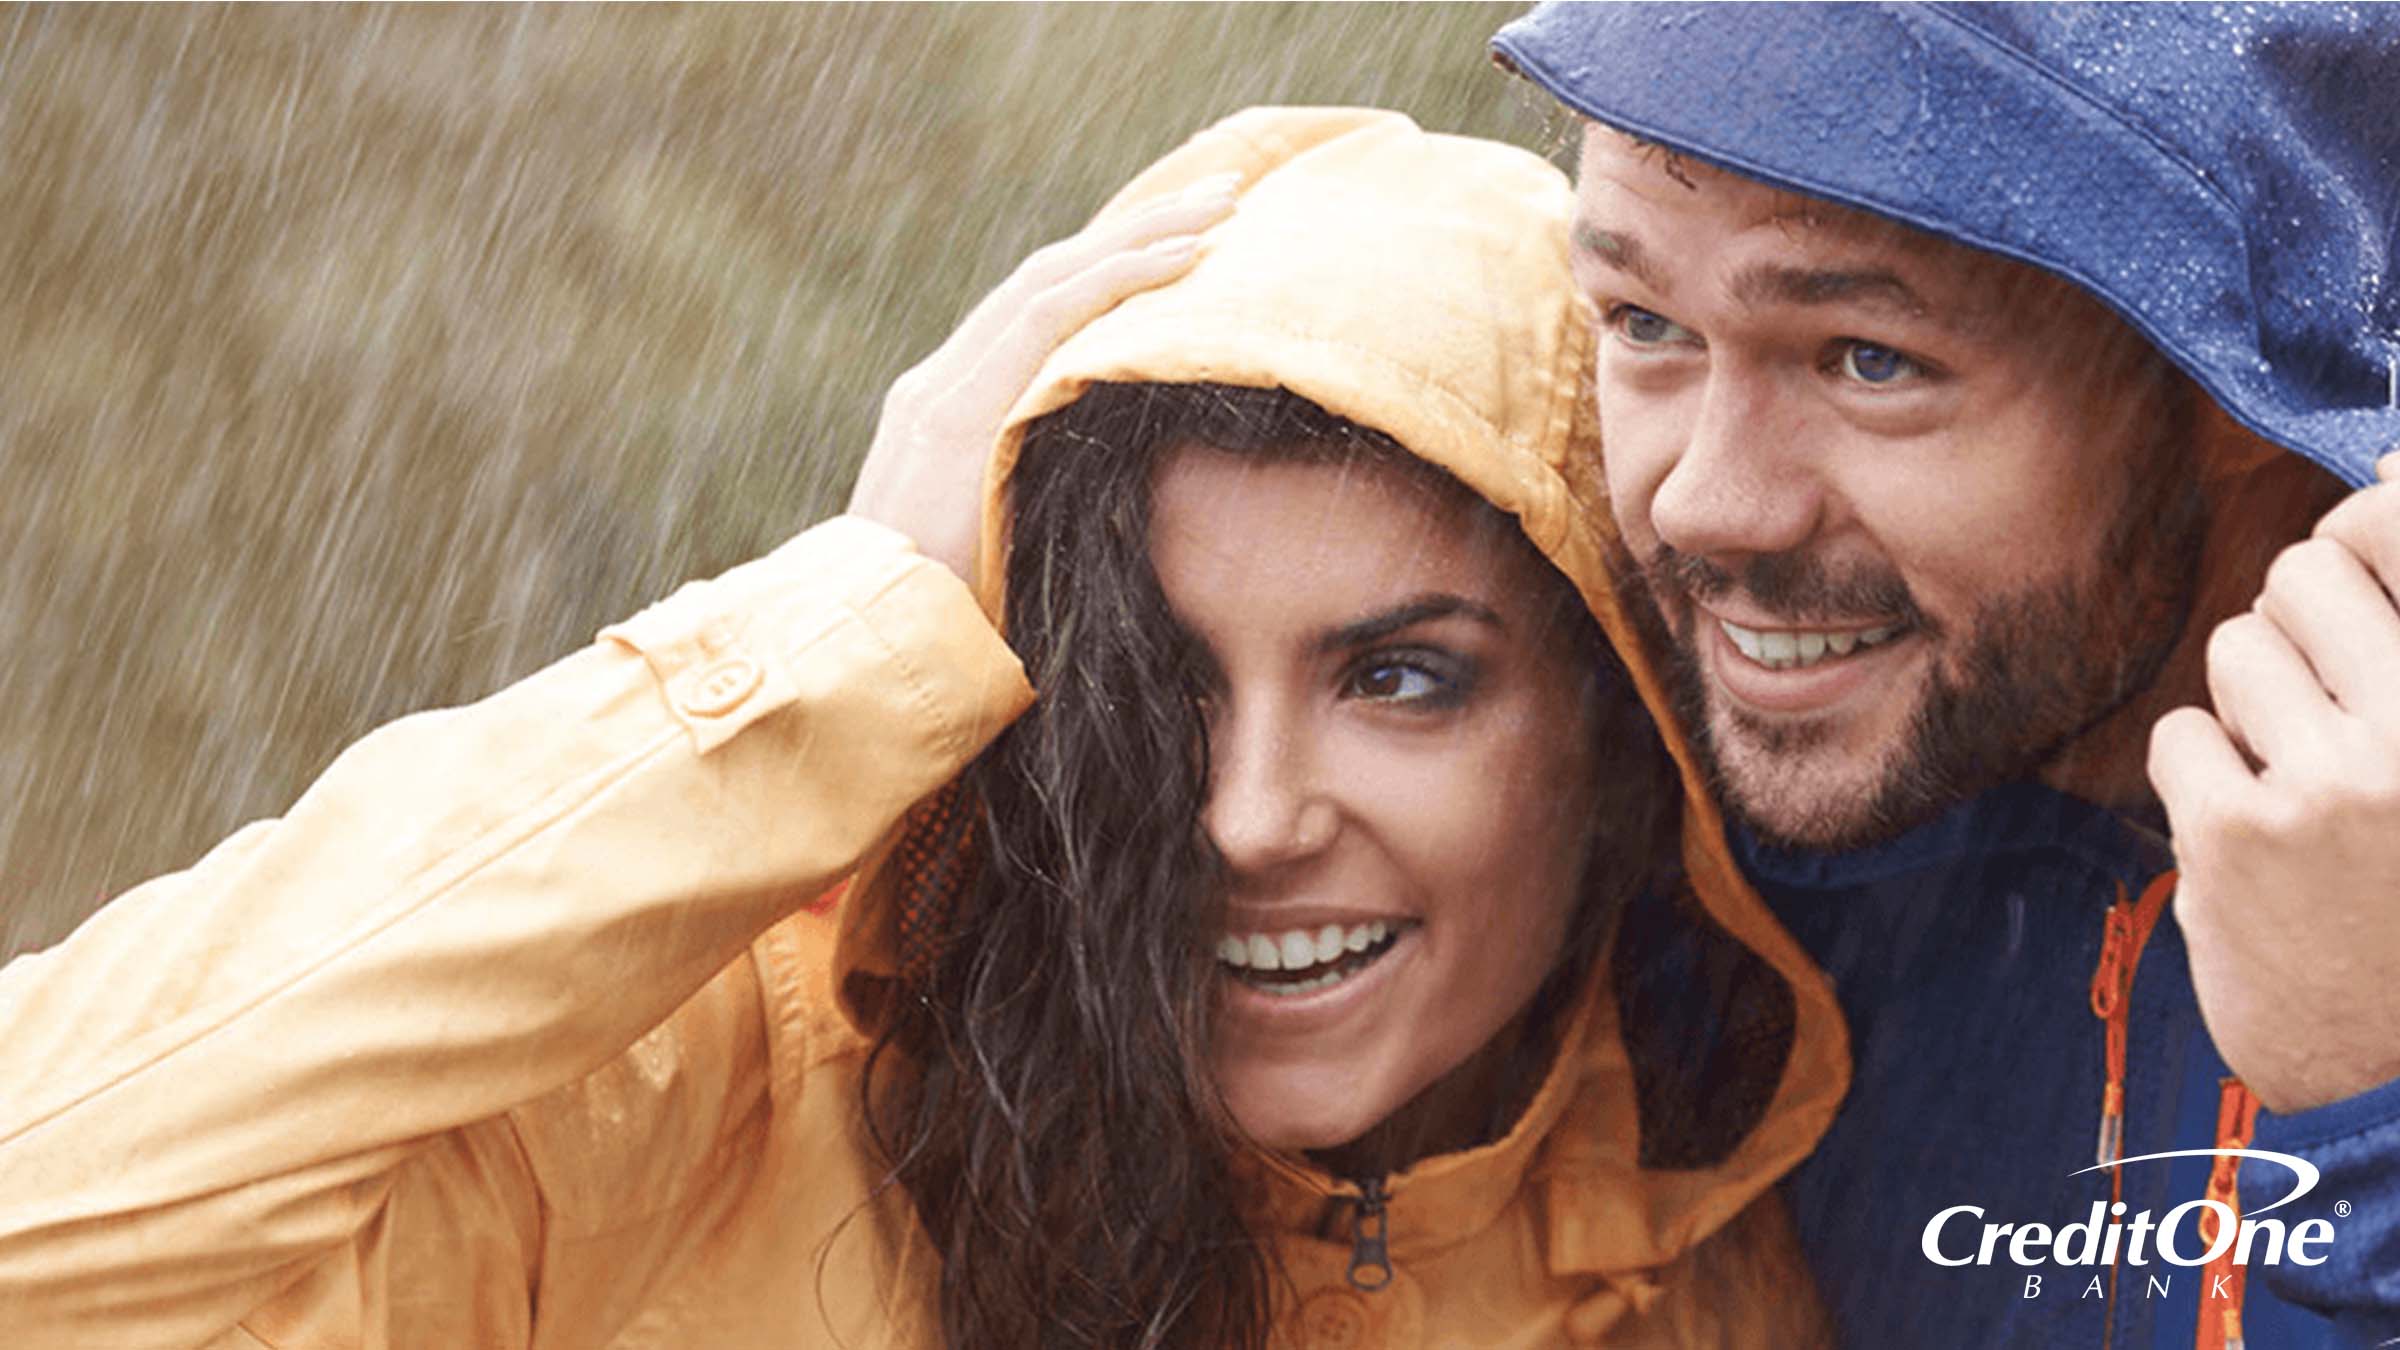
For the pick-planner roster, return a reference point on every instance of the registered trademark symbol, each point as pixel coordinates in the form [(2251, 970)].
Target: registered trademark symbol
[(2341, 1209)]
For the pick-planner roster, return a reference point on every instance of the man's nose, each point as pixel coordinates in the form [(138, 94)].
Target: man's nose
[(1744, 483), (1266, 809)]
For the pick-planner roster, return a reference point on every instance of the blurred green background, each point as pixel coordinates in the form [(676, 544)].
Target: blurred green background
[(354, 361)]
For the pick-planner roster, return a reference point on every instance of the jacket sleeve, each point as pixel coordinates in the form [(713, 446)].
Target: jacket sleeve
[(2355, 1145), (210, 1086)]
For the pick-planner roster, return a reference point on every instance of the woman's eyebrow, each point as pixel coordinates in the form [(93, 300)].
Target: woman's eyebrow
[(1407, 614)]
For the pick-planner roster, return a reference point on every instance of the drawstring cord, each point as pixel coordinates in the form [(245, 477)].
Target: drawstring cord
[(2127, 930), (2121, 941), (2128, 927)]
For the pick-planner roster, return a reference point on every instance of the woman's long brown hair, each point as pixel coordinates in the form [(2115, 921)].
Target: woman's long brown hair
[(1042, 1092)]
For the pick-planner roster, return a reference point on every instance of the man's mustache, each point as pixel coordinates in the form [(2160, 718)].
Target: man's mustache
[(1798, 587)]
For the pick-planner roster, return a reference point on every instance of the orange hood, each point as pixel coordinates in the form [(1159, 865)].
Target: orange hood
[(1418, 284)]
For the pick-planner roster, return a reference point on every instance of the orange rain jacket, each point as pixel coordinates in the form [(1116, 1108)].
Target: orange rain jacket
[(519, 1030)]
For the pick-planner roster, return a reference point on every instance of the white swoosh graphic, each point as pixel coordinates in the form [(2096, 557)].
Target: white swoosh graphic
[(2301, 1167)]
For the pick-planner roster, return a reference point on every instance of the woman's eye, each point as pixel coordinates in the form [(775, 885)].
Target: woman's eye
[(1413, 683), (1645, 329), (1868, 363)]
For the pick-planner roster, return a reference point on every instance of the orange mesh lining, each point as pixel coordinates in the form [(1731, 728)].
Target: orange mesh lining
[(932, 866), (1707, 1024)]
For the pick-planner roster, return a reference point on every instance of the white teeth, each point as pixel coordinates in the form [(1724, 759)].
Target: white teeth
[(1309, 985), (1299, 950), (1788, 648), (1329, 942)]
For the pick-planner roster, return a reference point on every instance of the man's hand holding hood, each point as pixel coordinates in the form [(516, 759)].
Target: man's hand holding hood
[(2286, 810)]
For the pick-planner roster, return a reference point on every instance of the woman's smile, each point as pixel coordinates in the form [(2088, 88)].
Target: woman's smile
[(1398, 777), (1293, 1003), (1303, 960)]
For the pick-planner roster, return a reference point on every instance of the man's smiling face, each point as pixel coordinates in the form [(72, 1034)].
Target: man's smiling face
[(1914, 515)]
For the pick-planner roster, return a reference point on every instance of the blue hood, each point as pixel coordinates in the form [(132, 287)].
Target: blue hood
[(2226, 178)]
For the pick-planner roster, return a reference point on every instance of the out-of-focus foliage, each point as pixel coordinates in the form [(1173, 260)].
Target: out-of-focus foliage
[(354, 361)]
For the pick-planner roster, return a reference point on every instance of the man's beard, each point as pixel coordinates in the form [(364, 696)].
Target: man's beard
[(2035, 668)]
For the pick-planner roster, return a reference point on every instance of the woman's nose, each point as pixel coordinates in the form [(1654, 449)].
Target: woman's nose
[(1741, 484), (1265, 808)]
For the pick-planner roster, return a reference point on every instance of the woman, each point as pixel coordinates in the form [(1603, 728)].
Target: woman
[(1252, 985)]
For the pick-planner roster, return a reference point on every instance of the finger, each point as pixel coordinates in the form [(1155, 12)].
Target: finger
[(2342, 623), (2367, 522), (1181, 215), (1061, 311), (2267, 697), (1014, 355), (1190, 211), (2387, 469), (2197, 770), (1195, 208)]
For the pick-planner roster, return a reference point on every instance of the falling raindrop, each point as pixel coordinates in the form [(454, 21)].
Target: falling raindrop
[(364, 360)]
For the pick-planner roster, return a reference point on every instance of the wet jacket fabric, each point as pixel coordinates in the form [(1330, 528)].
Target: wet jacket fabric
[(525, 1026), (2227, 178)]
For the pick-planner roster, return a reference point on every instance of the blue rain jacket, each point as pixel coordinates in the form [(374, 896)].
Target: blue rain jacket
[(2227, 178)]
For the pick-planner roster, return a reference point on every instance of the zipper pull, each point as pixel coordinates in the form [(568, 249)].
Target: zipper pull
[(2110, 986), (2125, 930), (1370, 1261), (2112, 1125)]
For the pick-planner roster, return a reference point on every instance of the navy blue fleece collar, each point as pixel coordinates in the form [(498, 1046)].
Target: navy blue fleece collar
[(2016, 818)]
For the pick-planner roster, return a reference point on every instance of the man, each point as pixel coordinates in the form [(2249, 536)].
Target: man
[(1973, 382)]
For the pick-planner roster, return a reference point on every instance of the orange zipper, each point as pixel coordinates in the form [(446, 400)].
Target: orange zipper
[(2237, 1122), (2129, 924)]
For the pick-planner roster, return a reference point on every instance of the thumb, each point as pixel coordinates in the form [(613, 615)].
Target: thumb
[(2387, 469)]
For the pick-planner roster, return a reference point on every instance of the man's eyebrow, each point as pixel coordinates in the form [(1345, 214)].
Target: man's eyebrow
[(1405, 615), (1770, 283), (1620, 251)]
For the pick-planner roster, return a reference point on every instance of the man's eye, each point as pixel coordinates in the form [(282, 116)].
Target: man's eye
[(1645, 329), (1868, 363)]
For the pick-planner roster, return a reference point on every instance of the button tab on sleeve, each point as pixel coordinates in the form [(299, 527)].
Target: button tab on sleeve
[(720, 688)]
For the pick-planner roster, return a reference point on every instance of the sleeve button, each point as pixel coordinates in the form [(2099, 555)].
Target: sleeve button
[(721, 688)]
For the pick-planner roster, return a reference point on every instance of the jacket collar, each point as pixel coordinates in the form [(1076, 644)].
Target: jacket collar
[(2014, 818), (1448, 1198), (1573, 1152)]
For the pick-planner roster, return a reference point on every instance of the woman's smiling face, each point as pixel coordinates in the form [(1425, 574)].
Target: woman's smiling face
[(1401, 772)]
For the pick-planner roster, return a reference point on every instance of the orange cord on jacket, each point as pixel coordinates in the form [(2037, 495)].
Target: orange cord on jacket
[(2128, 930), (2129, 925)]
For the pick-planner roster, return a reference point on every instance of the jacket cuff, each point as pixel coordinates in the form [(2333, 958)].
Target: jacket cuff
[(2355, 1145), (727, 652), (2335, 1122)]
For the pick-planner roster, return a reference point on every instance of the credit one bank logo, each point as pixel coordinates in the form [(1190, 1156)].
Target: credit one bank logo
[(1959, 1236)]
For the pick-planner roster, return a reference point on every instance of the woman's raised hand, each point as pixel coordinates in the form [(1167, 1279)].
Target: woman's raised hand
[(923, 476)]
